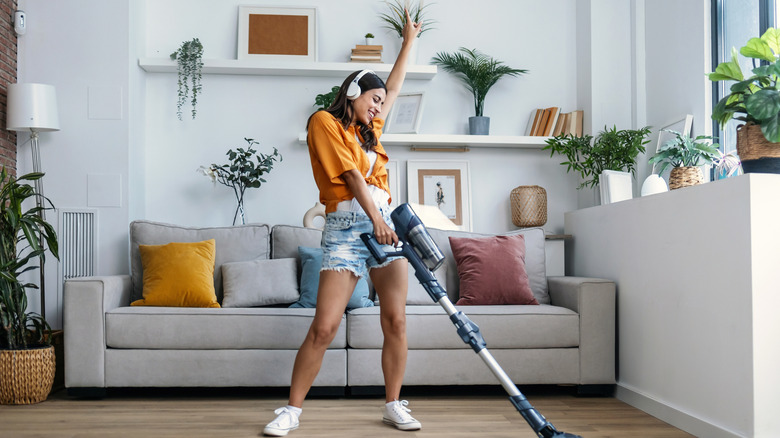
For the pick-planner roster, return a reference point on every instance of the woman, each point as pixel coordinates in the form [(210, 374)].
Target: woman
[(349, 168)]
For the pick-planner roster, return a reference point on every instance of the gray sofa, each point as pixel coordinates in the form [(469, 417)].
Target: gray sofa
[(568, 339)]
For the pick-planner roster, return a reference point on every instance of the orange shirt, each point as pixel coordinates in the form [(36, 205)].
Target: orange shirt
[(334, 151)]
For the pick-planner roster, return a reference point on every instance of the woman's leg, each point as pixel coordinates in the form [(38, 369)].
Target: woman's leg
[(391, 285), (334, 291)]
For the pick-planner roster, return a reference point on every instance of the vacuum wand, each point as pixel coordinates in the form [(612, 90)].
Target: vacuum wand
[(418, 247)]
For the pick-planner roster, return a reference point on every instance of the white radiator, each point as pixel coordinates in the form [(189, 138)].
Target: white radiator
[(77, 238)]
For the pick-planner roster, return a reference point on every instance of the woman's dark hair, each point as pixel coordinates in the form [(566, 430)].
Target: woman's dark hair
[(342, 110)]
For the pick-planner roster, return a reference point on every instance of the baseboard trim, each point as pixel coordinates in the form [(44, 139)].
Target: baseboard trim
[(675, 417)]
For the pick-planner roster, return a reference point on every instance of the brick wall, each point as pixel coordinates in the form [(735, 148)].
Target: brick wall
[(7, 76)]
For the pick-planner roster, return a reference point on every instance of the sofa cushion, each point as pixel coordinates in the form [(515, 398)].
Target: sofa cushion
[(178, 274), (492, 270), (311, 259), (260, 283), (534, 260), (233, 244), (505, 326), (180, 328)]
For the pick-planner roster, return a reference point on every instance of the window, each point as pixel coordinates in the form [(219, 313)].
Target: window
[(733, 23)]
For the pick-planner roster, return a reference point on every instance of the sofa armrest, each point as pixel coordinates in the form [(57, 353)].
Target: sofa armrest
[(86, 300), (594, 300)]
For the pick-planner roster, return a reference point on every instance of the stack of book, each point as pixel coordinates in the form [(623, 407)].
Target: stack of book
[(546, 122), (366, 53)]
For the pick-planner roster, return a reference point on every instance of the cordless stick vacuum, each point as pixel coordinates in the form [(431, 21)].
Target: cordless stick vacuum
[(425, 257)]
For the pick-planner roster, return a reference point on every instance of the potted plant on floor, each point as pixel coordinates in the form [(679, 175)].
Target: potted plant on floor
[(754, 100), (27, 363), (479, 72), (686, 155), (611, 150)]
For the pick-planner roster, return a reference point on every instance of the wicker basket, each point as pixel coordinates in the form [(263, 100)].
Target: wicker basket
[(529, 206), (685, 176), (752, 145), (26, 376)]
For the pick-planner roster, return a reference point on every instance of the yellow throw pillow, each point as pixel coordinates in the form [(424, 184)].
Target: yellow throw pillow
[(178, 275)]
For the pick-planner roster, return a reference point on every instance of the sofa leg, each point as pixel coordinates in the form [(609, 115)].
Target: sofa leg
[(366, 390), (605, 390), (87, 392)]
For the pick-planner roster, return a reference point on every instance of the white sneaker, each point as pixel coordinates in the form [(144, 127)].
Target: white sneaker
[(397, 414), (285, 421)]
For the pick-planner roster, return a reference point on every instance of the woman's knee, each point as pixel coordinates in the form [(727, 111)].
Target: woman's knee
[(321, 334), (394, 325)]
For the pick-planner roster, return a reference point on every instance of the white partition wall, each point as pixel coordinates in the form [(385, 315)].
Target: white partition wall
[(697, 280)]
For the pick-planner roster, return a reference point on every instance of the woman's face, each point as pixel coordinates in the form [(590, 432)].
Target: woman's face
[(368, 105)]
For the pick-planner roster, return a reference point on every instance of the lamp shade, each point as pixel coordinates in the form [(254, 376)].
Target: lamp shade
[(32, 107)]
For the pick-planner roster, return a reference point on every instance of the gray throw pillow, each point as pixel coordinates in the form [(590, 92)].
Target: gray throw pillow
[(260, 283)]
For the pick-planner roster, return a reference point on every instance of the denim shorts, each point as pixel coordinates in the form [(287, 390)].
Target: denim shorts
[(342, 247)]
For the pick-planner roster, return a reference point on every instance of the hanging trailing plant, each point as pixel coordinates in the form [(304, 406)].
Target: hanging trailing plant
[(189, 58)]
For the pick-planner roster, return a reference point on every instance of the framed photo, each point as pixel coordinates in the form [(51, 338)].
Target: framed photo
[(404, 117), (442, 184), (682, 126), (394, 183), (277, 33)]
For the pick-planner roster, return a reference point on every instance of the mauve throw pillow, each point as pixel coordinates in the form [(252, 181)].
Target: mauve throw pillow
[(492, 270)]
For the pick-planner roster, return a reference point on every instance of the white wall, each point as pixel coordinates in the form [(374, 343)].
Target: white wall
[(696, 282), (274, 109)]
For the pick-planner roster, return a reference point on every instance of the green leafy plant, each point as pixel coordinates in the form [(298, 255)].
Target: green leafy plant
[(684, 151), (24, 236), (477, 71), (610, 150), (395, 18), (241, 172), (189, 59), (325, 100), (755, 99)]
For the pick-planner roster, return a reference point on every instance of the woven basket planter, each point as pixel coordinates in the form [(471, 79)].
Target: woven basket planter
[(756, 152), (26, 376), (529, 206), (685, 176)]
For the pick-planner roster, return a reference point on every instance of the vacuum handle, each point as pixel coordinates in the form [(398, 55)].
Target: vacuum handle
[(376, 250)]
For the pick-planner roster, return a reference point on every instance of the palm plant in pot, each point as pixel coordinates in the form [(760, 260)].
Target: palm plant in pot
[(27, 363), (478, 72), (754, 100), (685, 155), (612, 149)]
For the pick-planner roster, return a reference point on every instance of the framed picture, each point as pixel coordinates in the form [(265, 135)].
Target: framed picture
[(404, 117), (443, 184), (682, 126), (394, 183), (277, 33)]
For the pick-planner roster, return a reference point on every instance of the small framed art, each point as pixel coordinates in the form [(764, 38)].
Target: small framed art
[(443, 184), (405, 115), (277, 33)]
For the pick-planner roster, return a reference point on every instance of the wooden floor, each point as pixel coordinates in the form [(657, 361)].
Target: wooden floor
[(244, 413)]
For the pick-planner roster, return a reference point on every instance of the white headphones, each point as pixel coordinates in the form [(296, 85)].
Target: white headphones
[(353, 91)]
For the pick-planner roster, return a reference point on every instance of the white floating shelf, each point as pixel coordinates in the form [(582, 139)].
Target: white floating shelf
[(456, 141), (285, 68)]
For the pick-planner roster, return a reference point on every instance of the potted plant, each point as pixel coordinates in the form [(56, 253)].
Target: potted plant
[(189, 60), (610, 150), (685, 155), (242, 173), (754, 100), (479, 72), (325, 100), (395, 19), (27, 363), (369, 38)]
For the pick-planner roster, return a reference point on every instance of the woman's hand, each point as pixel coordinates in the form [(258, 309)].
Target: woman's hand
[(410, 30), (384, 234)]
